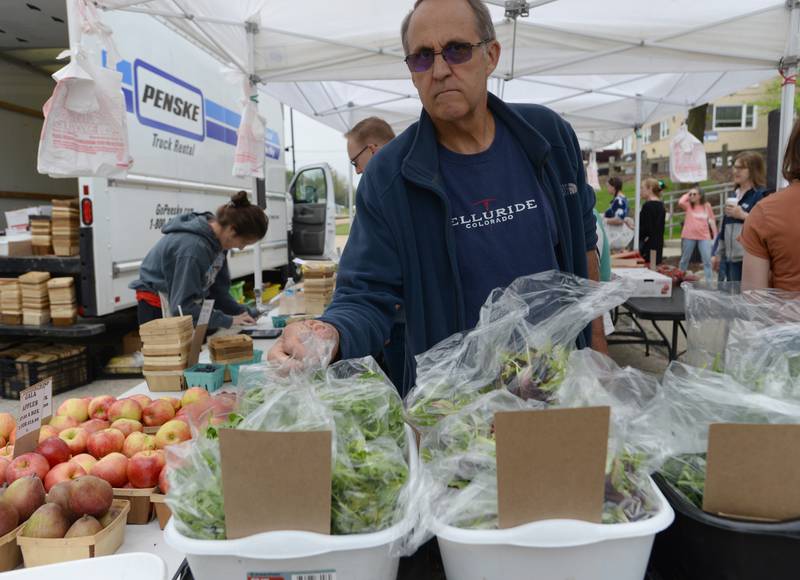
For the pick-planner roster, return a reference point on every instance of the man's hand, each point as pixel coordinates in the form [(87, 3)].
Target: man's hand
[(715, 263), (290, 348), (243, 319)]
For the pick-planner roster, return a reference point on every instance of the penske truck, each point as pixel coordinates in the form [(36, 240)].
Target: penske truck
[(182, 117)]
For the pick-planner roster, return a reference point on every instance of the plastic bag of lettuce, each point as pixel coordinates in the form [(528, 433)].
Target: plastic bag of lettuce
[(521, 344), (353, 399), (458, 477)]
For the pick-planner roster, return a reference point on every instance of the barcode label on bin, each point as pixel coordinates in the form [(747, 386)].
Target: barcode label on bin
[(310, 575)]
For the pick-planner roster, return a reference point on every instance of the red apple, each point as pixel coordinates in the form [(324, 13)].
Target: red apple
[(59, 494), (193, 395), (126, 426), (95, 425), (7, 425), (55, 450), (84, 460), (78, 409), (61, 422), (47, 431), (49, 521), (113, 468), (172, 432), (4, 463), (27, 464), (85, 526), (7, 451), (144, 468), (197, 413), (26, 494), (104, 442), (136, 442), (90, 495), (163, 480), (98, 407), (13, 437), (62, 472), (9, 517), (176, 403), (124, 409), (157, 413), (143, 400), (76, 439)]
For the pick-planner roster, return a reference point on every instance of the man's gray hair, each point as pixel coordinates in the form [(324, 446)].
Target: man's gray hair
[(483, 22)]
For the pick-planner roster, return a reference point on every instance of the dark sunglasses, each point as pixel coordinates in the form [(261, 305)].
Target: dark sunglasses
[(452, 53), (354, 160)]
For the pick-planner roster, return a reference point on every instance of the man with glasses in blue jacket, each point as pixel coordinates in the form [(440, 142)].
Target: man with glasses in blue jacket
[(475, 194)]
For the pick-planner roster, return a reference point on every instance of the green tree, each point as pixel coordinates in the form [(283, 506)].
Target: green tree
[(340, 188), (772, 97)]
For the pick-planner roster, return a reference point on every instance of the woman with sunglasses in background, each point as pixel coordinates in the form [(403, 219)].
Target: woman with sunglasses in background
[(699, 229)]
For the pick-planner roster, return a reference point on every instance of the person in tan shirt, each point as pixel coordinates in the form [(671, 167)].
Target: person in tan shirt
[(771, 236)]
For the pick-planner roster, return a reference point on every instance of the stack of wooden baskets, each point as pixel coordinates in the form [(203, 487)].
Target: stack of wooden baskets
[(63, 304), (166, 343), (35, 299)]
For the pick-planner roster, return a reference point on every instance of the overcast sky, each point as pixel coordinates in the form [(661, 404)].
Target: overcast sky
[(315, 143)]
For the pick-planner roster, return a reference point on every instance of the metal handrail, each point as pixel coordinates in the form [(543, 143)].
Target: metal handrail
[(715, 195)]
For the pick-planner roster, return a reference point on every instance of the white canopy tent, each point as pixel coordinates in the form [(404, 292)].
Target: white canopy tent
[(608, 67)]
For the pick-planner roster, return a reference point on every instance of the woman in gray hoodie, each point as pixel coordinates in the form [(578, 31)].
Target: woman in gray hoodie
[(189, 263)]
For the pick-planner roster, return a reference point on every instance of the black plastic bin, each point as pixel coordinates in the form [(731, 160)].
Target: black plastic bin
[(700, 546), (68, 372)]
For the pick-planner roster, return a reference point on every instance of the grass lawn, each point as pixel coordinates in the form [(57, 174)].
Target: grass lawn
[(342, 229)]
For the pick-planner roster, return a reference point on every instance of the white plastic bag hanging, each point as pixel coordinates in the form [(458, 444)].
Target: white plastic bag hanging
[(592, 174), (248, 161), (85, 131), (687, 158)]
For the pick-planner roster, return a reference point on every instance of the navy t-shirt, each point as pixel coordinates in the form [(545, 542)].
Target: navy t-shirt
[(504, 226)]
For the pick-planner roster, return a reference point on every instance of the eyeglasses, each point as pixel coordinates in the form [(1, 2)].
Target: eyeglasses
[(354, 160), (452, 53), (740, 166)]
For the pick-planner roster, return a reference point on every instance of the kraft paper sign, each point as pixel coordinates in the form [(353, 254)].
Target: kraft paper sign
[(199, 334), (551, 464), (36, 405), (276, 481), (753, 471)]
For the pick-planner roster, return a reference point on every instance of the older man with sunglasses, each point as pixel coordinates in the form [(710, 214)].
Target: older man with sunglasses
[(475, 194)]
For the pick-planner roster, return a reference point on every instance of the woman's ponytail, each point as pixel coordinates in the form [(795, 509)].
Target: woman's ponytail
[(247, 220)]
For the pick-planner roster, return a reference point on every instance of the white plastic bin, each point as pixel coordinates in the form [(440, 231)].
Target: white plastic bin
[(554, 549), (297, 555), (135, 566)]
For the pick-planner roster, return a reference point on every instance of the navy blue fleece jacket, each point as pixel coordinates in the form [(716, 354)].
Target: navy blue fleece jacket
[(401, 251)]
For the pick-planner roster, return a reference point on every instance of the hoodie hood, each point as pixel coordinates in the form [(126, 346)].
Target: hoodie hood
[(194, 223)]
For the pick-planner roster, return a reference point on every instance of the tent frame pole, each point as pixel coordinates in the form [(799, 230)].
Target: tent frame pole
[(638, 132), (251, 29), (788, 68)]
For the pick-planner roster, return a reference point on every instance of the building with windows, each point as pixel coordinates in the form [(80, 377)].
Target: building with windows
[(734, 123)]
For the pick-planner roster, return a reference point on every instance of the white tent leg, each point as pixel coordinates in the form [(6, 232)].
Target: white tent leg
[(258, 281), (638, 206), (788, 91)]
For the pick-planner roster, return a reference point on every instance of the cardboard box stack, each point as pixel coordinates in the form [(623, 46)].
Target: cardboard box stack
[(233, 349), (229, 350), (319, 282), (65, 227), (165, 345), (41, 239), (10, 302), (63, 304), (35, 299)]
